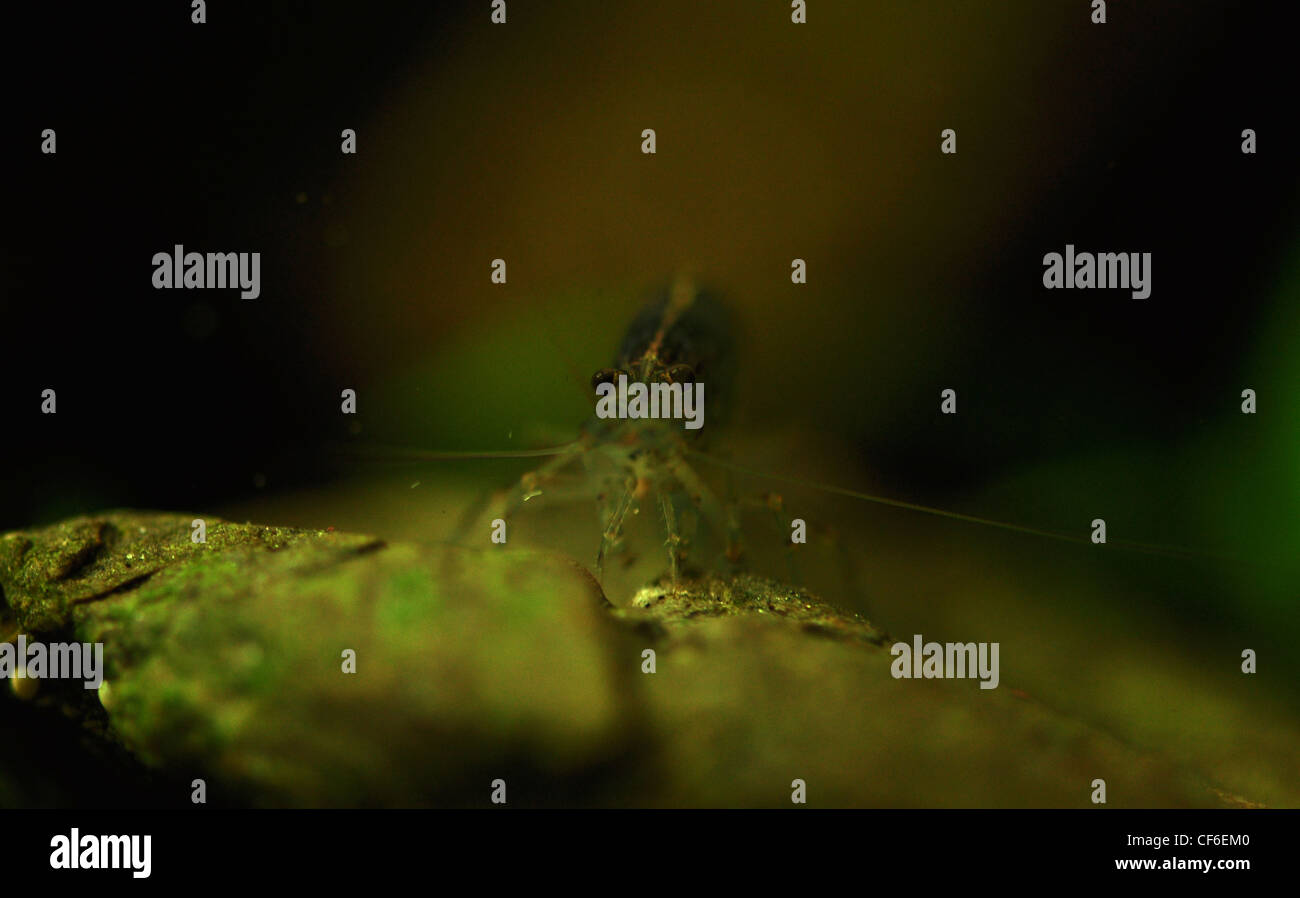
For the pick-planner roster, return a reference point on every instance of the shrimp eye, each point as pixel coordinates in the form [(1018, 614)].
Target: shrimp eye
[(604, 376), (681, 374)]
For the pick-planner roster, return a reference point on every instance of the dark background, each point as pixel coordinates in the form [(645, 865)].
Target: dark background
[(205, 135)]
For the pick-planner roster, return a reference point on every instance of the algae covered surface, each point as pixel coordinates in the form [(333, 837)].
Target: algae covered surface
[(227, 661)]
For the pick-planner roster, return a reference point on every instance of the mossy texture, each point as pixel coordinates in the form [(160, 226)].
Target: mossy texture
[(225, 662)]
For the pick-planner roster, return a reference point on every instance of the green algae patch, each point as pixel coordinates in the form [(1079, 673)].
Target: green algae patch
[(45, 573), (316, 668)]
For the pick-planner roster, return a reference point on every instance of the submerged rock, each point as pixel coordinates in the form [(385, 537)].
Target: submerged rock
[(226, 659), (226, 662)]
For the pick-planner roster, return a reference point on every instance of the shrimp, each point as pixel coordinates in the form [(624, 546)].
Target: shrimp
[(627, 464), (681, 337)]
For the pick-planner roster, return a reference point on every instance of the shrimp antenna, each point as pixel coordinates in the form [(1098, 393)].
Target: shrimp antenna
[(575, 373), (1147, 548), (404, 454)]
